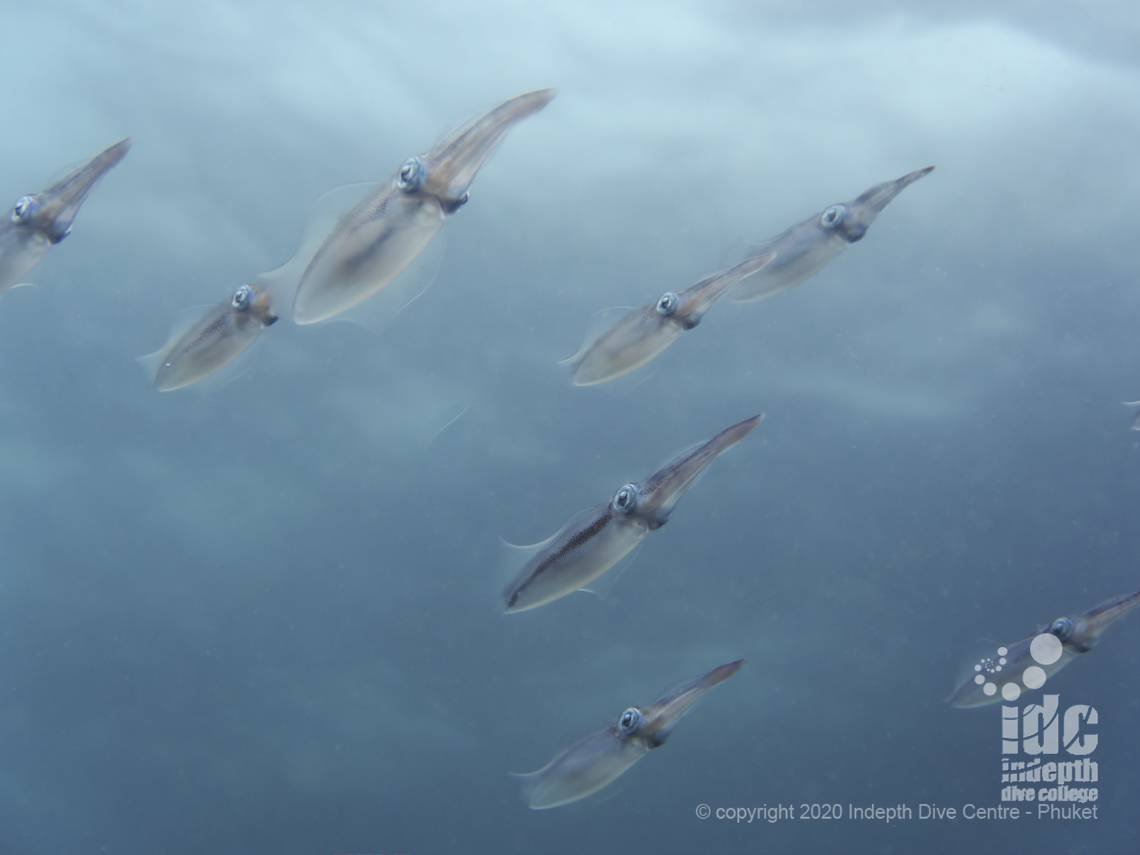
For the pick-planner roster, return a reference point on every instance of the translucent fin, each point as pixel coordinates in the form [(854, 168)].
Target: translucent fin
[(627, 384), (529, 781), (600, 323), (580, 770), (775, 287), (184, 319), (238, 369), (619, 789), (603, 587), (379, 311), (149, 362), (235, 369), (975, 653), (326, 212), (515, 555), (22, 285), (526, 550), (509, 562)]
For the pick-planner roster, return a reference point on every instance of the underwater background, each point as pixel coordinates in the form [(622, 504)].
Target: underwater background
[(264, 616)]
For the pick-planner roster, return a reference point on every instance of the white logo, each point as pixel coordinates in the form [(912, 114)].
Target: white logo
[(1040, 729), (1033, 736), (1045, 649)]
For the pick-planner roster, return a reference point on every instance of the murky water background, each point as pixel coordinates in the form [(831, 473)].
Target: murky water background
[(263, 617)]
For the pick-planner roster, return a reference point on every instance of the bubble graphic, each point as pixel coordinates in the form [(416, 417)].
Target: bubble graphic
[(1045, 648), (1033, 678)]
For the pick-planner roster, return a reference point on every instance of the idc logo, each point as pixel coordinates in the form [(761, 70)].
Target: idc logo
[(1045, 750), (1045, 757), (1041, 729)]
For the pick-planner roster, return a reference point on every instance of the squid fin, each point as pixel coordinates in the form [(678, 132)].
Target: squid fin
[(603, 587), (184, 319), (601, 321), (325, 214)]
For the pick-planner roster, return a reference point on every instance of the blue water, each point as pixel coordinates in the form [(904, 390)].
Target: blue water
[(263, 616)]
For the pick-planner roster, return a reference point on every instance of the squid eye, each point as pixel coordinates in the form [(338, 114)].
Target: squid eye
[(625, 499), (243, 296), (833, 216), (1062, 628), (630, 721), (22, 209), (667, 305), (411, 175)]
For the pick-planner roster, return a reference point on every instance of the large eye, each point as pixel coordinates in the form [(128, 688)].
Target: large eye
[(22, 210), (625, 499), (833, 216), (1062, 627), (243, 296), (667, 305), (411, 175), (630, 721)]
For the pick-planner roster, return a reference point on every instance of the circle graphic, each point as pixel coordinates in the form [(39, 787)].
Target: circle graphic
[(1045, 648), (1034, 677)]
